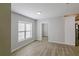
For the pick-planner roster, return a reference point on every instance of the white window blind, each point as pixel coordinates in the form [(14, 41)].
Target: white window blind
[(24, 31)]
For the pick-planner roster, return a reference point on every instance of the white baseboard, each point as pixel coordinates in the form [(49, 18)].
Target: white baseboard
[(21, 46), (56, 42), (64, 43)]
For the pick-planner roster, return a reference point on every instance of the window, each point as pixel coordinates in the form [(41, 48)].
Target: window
[(24, 31)]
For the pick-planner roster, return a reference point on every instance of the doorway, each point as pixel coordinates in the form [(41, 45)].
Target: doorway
[(77, 31), (45, 31)]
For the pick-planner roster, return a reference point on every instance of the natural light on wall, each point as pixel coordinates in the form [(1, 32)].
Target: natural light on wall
[(24, 31)]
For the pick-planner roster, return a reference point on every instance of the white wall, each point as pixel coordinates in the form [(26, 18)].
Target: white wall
[(14, 33), (56, 30), (70, 30), (60, 30)]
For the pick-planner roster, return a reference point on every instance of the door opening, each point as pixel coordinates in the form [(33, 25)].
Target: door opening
[(77, 31), (45, 31)]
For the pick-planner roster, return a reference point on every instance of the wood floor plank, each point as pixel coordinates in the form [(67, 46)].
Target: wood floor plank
[(44, 48)]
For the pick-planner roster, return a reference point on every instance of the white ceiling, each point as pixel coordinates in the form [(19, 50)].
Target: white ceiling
[(48, 10)]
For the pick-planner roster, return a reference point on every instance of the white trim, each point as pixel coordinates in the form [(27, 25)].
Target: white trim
[(62, 43), (21, 46)]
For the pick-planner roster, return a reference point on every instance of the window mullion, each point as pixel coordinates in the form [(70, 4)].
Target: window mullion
[(25, 31)]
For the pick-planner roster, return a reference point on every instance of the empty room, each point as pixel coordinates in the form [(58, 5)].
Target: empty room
[(39, 29)]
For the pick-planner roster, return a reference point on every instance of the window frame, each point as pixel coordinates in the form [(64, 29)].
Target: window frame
[(25, 31)]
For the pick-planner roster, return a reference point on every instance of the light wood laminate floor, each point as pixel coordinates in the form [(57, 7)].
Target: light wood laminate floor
[(44, 48)]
